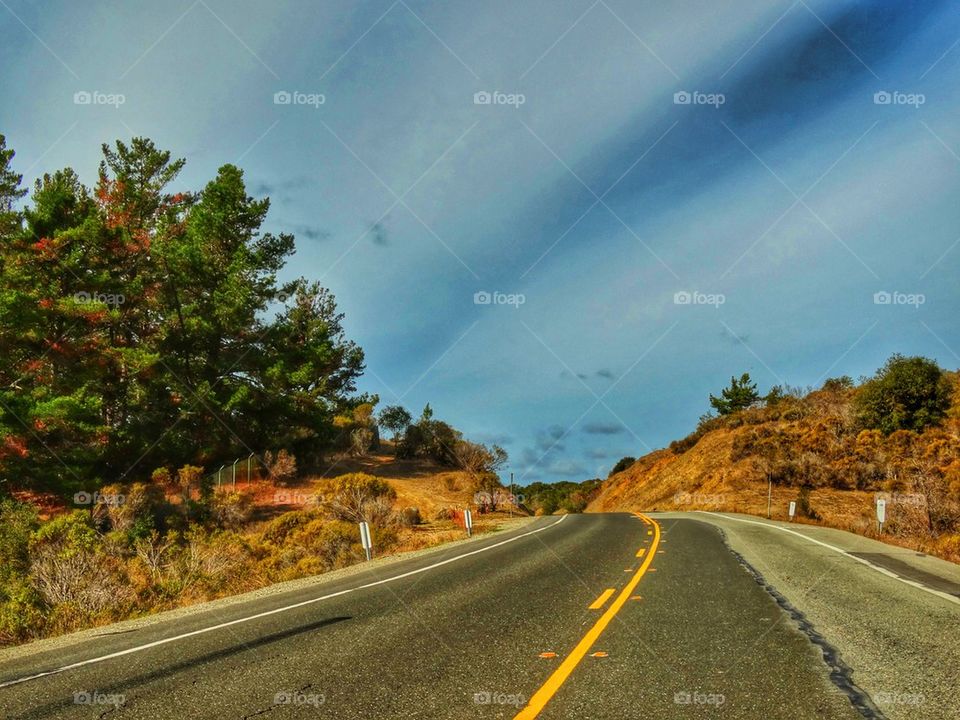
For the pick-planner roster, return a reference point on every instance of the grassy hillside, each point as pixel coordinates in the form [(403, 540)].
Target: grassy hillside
[(814, 448), (63, 569)]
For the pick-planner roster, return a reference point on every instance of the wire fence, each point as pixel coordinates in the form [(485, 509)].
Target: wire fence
[(242, 469)]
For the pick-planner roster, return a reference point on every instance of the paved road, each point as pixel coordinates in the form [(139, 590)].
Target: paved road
[(557, 619)]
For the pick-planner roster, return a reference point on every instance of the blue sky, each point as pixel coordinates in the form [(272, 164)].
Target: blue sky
[(786, 188)]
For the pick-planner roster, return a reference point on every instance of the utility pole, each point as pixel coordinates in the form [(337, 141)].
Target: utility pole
[(513, 498)]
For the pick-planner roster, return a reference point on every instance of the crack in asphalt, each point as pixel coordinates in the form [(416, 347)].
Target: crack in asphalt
[(841, 674), (273, 706)]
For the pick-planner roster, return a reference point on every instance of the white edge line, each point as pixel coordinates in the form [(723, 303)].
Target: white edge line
[(883, 570), (275, 611)]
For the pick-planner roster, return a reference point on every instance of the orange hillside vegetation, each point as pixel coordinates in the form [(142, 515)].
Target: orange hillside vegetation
[(814, 452)]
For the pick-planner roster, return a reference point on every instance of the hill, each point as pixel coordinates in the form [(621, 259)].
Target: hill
[(814, 448), (146, 547)]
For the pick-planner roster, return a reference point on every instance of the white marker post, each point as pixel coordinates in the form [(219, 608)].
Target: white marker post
[(468, 522), (881, 514), (792, 510), (365, 539)]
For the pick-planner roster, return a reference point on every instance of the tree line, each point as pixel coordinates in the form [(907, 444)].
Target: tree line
[(145, 324)]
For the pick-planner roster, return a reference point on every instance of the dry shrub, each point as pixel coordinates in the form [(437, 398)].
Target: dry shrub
[(358, 497), (231, 510), (282, 467), (408, 517), (445, 514), (69, 567)]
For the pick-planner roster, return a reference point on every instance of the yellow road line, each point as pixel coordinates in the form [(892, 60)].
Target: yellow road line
[(602, 600), (641, 551), (559, 676)]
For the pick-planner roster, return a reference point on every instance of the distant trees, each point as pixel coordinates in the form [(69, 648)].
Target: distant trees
[(741, 394), (548, 498), (907, 393)]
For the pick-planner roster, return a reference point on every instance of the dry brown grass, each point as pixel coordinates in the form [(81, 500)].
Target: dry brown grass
[(705, 478)]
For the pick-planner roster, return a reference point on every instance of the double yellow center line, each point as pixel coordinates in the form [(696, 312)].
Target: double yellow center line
[(559, 676)]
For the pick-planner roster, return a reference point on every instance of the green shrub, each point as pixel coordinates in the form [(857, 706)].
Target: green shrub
[(908, 393), (622, 464)]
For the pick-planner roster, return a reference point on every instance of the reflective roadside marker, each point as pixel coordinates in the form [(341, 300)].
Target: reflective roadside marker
[(599, 653), (548, 655), (793, 510), (365, 539), (468, 522), (881, 513)]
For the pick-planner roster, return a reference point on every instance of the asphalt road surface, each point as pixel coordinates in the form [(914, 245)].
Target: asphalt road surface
[(588, 616)]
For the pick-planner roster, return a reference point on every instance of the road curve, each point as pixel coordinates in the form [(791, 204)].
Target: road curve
[(593, 616)]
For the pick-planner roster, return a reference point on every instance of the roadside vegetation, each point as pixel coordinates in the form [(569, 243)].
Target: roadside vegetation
[(560, 497), (834, 450), (148, 341)]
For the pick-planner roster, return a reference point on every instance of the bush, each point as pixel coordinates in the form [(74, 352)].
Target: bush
[(231, 510), (68, 567), (409, 517), (622, 464), (804, 508), (190, 477), (17, 522), (282, 467), (357, 497), (137, 509), (908, 393)]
